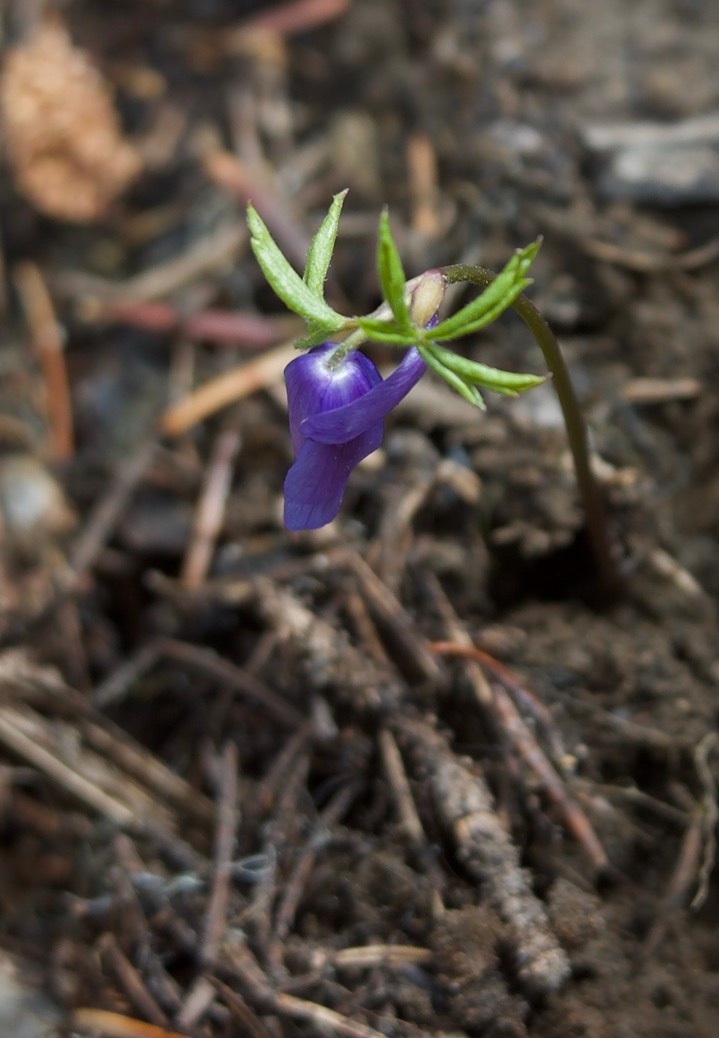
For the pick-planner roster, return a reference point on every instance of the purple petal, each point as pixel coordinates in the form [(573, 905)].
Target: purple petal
[(313, 387), (352, 419), (316, 483)]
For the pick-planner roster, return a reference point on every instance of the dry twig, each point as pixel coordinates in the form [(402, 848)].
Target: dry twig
[(292, 16), (210, 510), (465, 806), (250, 331), (106, 513), (215, 251), (494, 699), (107, 771), (463, 799), (251, 185), (401, 789), (130, 980), (323, 1018), (328, 657), (295, 883), (226, 389), (48, 345), (235, 678), (106, 1024), (227, 821), (416, 658), (525, 744), (423, 185)]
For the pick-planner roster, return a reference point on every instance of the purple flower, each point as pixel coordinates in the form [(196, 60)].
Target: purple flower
[(336, 419)]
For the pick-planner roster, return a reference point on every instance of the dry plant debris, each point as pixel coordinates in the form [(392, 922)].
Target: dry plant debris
[(62, 136), (357, 783)]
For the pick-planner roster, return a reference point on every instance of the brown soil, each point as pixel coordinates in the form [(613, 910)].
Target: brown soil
[(251, 794)]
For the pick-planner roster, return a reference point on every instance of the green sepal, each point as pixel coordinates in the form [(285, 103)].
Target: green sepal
[(495, 299), (391, 274), (509, 383), (319, 254), (286, 282), (465, 389)]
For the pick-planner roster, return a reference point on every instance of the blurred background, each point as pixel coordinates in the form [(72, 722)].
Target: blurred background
[(143, 446)]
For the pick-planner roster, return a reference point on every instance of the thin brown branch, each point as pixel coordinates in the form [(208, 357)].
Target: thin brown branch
[(250, 331), (108, 510), (401, 789), (295, 884), (253, 185), (495, 700), (15, 736), (130, 980), (50, 352), (227, 821), (218, 249), (103, 1023), (210, 510), (323, 1018), (466, 808), (234, 677), (226, 389), (293, 16)]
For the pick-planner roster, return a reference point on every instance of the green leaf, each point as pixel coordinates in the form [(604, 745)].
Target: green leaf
[(285, 281), (321, 248), (465, 389), (387, 331), (495, 299), (391, 274), (509, 383)]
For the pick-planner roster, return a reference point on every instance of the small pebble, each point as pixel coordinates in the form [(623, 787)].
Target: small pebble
[(33, 506)]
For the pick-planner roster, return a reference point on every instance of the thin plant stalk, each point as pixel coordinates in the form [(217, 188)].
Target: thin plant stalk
[(597, 526)]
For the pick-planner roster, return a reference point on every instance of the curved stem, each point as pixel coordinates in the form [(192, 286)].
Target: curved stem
[(611, 583)]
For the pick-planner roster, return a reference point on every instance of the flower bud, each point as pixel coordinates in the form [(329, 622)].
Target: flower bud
[(426, 297)]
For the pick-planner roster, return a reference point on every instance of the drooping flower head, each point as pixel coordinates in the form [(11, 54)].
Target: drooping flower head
[(337, 405), (336, 417)]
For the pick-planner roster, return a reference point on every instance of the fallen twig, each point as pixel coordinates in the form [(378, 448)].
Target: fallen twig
[(466, 809), (210, 510), (401, 789), (48, 345), (130, 980), (115, 1025), (226, 389), (107, 511)]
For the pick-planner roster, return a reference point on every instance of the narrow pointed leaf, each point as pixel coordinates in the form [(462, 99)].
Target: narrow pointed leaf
[(456, 382), (509, 383), (495, 299), (285, 281), (391, 274), (320, 251), (387, 332)]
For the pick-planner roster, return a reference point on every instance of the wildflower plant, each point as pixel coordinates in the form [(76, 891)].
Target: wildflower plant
[(337, 399)]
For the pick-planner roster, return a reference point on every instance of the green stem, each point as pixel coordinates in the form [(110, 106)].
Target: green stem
[(597, 527), (353, 341)]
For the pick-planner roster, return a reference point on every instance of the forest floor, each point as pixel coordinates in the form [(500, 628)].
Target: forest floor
[(407, 775)]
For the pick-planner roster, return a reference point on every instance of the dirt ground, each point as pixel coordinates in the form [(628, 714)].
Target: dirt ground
[(406, 775)]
